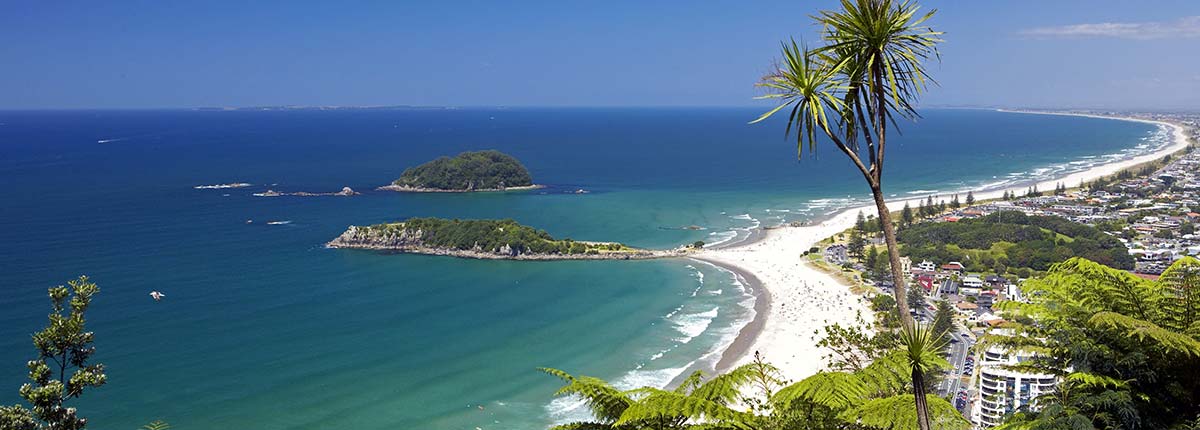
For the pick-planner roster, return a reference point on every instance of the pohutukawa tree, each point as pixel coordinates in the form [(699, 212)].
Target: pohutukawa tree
[(61, 370), (869, 71)]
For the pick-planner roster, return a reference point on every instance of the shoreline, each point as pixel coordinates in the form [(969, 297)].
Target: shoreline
[(769, 258)]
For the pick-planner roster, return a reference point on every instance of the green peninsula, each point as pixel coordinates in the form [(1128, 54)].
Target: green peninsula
[(469, 171), (487, 239)]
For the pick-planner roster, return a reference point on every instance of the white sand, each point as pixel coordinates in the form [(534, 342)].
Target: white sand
[(803, 299)]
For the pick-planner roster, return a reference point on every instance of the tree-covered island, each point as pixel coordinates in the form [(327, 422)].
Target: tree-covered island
[(486, 239), (469, 171)]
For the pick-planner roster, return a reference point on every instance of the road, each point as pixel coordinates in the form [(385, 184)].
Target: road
[(957, 357)]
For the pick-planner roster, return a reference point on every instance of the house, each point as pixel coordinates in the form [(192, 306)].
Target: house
[(986, 299), (949, 287), (966, 308), (971, 286), (926, 282), (926, 266), (953, 266), (995, 281)]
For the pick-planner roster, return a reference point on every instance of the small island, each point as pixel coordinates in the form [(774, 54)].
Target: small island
[(485, 239), (467, 172)]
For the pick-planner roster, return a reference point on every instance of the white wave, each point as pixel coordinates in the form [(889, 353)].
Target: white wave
[(673, 312), (722, 237), (923, 192), (743, 216), (692, 325)]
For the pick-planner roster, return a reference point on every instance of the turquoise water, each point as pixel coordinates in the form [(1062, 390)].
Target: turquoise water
[(263, 326)]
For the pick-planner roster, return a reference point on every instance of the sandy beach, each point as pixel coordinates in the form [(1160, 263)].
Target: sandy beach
[(801, 300)]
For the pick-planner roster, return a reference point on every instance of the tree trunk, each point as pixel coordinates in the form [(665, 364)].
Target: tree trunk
[(918, 378), (889, 236)]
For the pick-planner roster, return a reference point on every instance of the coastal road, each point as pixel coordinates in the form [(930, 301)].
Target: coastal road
[(957, 359)]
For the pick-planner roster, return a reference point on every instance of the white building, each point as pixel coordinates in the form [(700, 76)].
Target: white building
[(926, 266), (1003, 391), (971, 286)]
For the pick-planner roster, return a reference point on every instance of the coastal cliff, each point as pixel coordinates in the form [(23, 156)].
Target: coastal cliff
[(466, 172), (485, 239)]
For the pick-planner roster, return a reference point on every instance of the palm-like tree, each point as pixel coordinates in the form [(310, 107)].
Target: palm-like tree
[(870, 70)]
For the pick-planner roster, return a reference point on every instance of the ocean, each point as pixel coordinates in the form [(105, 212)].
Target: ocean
[(263, 326)]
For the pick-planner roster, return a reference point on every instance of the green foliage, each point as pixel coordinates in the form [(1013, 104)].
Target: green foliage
[(882, 303), (480, 170), (906, 216), (856, 243), (61, 370), (488, 235), (1127, 348), (1035, 238), (943, 319), (696, 403), (971, 198), (853, 348), (157, 425)]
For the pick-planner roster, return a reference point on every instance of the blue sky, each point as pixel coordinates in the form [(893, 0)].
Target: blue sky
[(138, 54)]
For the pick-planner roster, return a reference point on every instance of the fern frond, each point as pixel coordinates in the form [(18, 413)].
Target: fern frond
[(605, 402), (888, 375), (582, 425), (726, 388), (1093, 380), (835, 390), (669, 405), (690, 383), (1181, 296), (1148, 331)]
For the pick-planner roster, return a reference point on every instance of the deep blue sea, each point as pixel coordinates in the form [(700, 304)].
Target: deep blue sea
[(263, 327)]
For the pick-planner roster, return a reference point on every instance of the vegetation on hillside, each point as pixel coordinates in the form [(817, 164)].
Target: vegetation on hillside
[(1127, 349), (491, 236), (479, 170), (1006, 240)]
